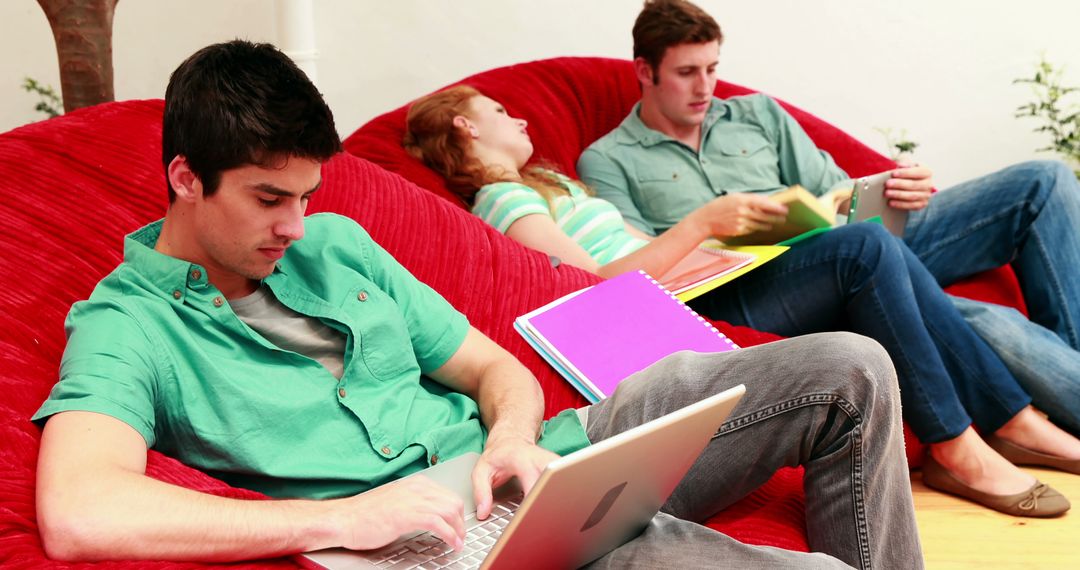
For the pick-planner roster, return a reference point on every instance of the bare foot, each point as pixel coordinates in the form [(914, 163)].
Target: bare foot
[(969, 459), (1031, 430)]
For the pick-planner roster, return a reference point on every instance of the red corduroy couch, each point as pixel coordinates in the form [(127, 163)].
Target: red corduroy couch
[(569, 102), (72, 187)]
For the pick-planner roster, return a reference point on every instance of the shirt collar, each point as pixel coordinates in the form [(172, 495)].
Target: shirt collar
[(633, 131), (174, 277)]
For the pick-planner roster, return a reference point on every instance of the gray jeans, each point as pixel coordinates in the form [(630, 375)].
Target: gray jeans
[(826, 401)]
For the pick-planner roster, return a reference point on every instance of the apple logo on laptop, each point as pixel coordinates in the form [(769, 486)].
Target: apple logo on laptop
[(603, 507)]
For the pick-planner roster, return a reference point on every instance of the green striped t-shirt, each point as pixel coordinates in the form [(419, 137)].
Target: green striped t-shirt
[(591, 222)]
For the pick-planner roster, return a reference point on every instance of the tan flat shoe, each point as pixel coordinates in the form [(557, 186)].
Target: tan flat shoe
[(1039, 501), (1020, 455)]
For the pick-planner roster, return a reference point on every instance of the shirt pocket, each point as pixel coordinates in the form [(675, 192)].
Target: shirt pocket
[(745, 163), (666, 193), (382, 337), (749, 148)]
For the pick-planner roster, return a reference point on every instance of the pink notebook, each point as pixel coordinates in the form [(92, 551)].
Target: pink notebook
[(598, 336)]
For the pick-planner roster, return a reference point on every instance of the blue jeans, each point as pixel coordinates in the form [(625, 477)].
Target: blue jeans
[(1027, 215), (861, 279), (1050, 376)]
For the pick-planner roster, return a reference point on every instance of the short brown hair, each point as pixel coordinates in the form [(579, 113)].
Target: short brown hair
[(666, 23)]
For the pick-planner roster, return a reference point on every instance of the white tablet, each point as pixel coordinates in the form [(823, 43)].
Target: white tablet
[(868, 200)]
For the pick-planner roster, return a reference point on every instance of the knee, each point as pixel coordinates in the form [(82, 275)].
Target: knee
[(873, 246), (862, 368), (871, 237), (1052, 170), (869, 232), (1047, 175)]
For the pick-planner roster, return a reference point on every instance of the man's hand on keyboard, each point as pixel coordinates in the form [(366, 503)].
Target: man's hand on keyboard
[(504, 458), (378, 517)]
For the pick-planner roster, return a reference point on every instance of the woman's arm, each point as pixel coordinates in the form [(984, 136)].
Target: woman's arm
[(731, 215)]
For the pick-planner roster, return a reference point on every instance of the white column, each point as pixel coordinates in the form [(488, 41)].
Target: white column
[(296, 34)]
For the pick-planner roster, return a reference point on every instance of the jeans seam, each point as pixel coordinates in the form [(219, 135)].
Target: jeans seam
[(941, 244), (916, 386), (1054, 281), (806, 400), (992, 394)]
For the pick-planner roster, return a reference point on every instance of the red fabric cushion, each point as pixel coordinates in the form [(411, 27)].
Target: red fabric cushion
[(71, 188), (74, 186), (570, 102)]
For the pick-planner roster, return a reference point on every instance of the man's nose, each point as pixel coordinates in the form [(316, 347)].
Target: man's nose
[(291, 225)]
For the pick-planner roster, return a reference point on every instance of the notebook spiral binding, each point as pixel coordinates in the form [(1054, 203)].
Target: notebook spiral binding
[(700, 319)]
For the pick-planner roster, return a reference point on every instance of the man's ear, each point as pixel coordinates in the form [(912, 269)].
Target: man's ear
[(461, 122), (183, 181), (643, 71)]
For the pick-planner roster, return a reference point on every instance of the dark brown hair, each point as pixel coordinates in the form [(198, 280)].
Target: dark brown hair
[(239, 103), (666, 23)]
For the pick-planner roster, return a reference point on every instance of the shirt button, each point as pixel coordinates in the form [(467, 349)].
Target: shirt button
[(675, 176), (434, 459), (744, 151), (362, 296), (341, 392), (195, 274), (385, 450), (177, 294), (218, 301)]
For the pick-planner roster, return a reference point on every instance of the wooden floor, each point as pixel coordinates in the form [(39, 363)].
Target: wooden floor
[(960, 534)]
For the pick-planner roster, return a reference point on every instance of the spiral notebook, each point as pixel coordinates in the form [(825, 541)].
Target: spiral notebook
[(598, 336)]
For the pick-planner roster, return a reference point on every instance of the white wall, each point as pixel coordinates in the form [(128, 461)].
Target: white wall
[(942, 70)]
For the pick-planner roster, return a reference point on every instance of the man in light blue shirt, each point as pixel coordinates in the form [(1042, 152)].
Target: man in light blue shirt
[(681, 147)]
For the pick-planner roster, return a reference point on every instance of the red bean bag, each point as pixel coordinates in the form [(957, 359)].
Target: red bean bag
[(570, 102), (72, 187)]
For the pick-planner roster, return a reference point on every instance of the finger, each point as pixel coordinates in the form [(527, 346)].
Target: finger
[(763, 204), (527, 477), (451, 534), (765, 217), (907, 195), (755, 226), (919, 185), (917, 205), (912, 172), (481, 480)]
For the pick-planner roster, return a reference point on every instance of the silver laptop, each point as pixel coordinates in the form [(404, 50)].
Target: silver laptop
[(583, 506)]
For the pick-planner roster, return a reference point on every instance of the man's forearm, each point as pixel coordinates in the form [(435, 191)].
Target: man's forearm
[(511, 402), (127, 515), (95, 502)]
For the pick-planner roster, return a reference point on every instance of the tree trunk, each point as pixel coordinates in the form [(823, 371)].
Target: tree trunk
[(83, 33)]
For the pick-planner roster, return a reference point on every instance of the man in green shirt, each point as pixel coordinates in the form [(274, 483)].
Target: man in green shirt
[(293, 356)]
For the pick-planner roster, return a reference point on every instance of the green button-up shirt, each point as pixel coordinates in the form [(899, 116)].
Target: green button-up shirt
[(159, 348), (748, 144)]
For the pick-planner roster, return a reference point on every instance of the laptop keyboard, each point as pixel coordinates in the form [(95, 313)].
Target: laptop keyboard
[(427, 552)]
